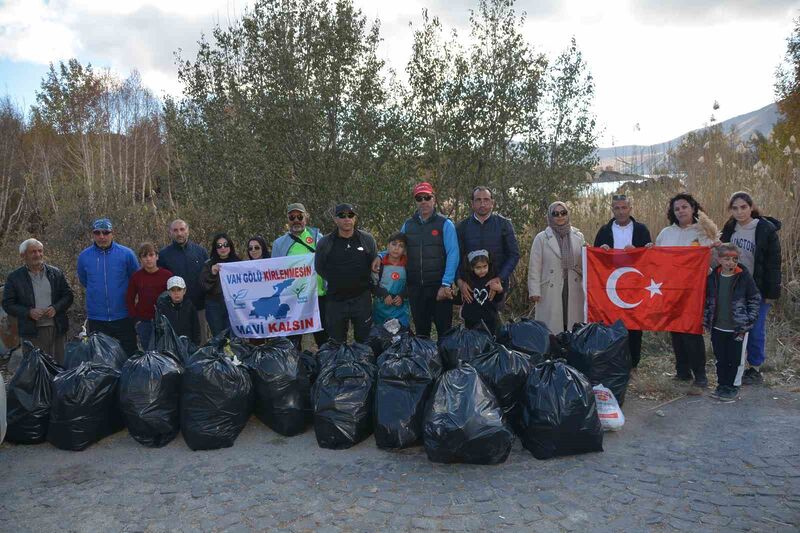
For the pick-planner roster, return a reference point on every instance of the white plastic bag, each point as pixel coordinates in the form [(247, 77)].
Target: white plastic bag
[(2, 409), (611, 416)]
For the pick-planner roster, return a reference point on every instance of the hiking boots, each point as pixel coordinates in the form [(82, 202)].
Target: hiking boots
[(752, 376)]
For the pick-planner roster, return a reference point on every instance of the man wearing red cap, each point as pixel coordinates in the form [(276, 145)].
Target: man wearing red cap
[(432, 262)]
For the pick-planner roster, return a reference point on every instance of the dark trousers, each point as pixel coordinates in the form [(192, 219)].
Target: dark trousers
[(321, 336), (690, 355), (217, 316), (49, 342), (730, 355), (144, 330), (427, 310), (635, 344), (121, 329), (356, 310)]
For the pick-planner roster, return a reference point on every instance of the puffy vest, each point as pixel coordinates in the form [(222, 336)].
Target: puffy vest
[(426, 252)]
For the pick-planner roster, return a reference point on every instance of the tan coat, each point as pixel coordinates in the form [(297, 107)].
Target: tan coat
[(546, 280)]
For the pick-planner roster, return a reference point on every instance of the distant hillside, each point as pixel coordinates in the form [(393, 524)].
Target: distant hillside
[(640, 159)]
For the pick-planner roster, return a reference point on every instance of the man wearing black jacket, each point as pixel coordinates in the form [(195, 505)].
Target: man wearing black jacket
[(623, 233), (344, 260), (38, 296)]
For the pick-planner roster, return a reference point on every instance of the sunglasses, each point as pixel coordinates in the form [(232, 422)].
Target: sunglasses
[(296, 217), (618, 197), (222, 245), (253, 248), (346, 215), (423, 197), (101, 232), (559, 213)]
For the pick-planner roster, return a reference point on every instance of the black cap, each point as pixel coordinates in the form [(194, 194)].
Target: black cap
[(344, 208)]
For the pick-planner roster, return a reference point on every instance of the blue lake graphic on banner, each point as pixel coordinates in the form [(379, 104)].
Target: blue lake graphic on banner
[(272, 305)]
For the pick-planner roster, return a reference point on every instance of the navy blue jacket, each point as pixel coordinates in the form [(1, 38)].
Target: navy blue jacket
[(186, 261), (496, 236), (641, 235)]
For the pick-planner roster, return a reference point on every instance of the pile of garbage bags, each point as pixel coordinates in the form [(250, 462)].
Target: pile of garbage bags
[(216, 397), (407, 373), (602, 354), (30, 396), (462, 344), (95, 347), (282, 387), (343, 395)]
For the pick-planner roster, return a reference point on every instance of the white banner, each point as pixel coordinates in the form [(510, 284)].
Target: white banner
[(271, 297)]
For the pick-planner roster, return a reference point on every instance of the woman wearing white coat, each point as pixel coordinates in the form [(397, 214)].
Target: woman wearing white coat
[(555, 279)]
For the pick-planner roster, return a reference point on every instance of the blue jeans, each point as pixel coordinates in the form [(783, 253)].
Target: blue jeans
[(144, 330), (757, 340), (216, 316)]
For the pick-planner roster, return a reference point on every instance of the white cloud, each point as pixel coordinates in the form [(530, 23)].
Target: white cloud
[(657, 64)]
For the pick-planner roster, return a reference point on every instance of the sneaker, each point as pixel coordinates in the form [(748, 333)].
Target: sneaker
[(752, 376), (694, 390), (679, 377), (715, 393), (728, 395), (700, 383)]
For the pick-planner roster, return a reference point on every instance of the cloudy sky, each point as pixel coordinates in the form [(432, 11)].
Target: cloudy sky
[(658, 64)]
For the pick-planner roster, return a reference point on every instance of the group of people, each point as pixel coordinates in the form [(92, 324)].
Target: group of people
[(428, 266)]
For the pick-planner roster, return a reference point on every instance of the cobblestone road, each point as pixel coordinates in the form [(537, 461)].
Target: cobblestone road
[(701, 466)]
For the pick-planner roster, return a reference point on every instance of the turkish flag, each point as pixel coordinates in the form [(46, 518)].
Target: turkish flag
[(662, 288)]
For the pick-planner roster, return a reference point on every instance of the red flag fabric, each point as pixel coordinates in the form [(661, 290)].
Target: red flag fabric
[(661, 288)]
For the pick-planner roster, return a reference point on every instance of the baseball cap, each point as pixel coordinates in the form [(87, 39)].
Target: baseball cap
[(297, 206), (423, 188), (344, 208), (176, 281), (102, 223)]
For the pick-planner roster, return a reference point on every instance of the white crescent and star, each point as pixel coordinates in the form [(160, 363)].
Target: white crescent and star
[(611, 288)]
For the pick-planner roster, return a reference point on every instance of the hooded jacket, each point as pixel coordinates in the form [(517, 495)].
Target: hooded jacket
[(745, 300), (767, 256)]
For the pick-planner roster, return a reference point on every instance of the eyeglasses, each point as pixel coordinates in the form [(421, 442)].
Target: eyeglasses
[(423, 197), (101, 232), (222, 245), (296, 217), (559, 213), (253, 248), (346, 215)]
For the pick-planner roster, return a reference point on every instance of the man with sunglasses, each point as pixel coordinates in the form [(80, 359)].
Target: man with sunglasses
[(486, 230), (185, 258), (432, 263), (302, 239), (623, 232), (344, 260), (104, 270)]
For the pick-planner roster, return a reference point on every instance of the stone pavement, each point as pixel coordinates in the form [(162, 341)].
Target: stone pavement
[(702, 466)]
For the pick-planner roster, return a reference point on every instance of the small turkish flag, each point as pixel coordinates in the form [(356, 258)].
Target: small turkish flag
[(662, 288)]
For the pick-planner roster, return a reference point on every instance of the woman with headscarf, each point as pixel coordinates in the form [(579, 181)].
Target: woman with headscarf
[(555, 280), (222, 251)]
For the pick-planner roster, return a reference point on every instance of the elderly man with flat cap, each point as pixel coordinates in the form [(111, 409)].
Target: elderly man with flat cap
[(38, 295), (299, 240), (344, 260)]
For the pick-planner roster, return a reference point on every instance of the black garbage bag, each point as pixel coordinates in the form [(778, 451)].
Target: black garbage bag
[(464, 422), (165, 340), (602, 353), (282, 389), (343, 397), (216, 398), (96, 347), (339, 351), (29, 397), (528, 336), (84, 407), (311, 364), (380, 338), (149, 397), (505, 372), (462, 344), (558, 414), (407, 372)]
